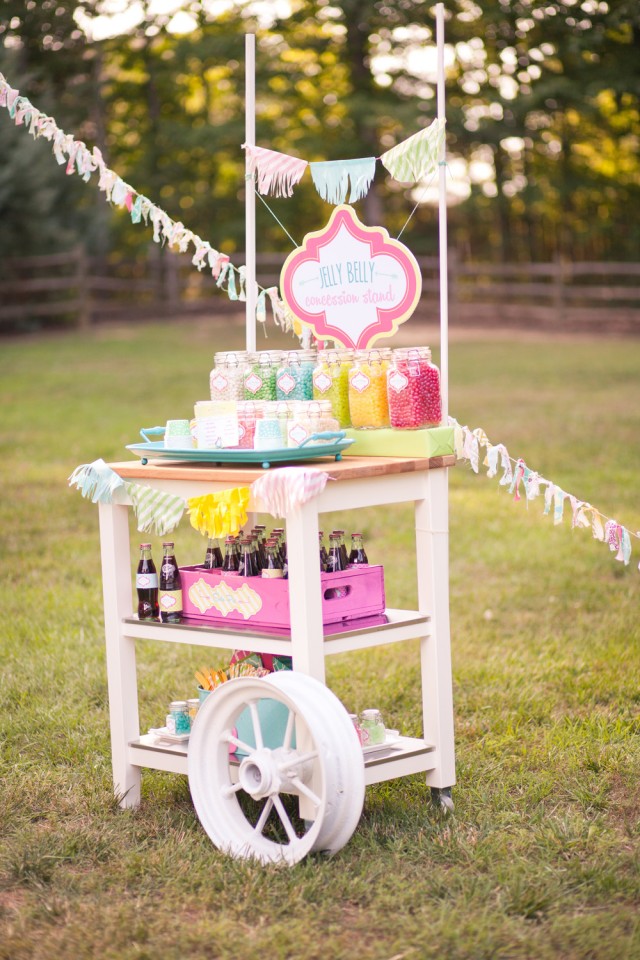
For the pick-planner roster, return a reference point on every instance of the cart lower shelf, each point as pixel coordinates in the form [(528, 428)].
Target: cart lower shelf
[(409, 755)]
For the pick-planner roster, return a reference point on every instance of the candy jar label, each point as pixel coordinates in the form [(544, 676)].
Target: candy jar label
[(398, 381), (253, 383), (286, 383), (360, 382), (219, 383), (322, 382)]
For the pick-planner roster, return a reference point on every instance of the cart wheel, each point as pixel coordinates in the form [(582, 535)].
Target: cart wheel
[(143, 461), (441, 798), (241, 799)]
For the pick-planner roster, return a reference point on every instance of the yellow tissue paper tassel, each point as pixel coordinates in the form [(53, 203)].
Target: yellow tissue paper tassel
[(219, 514)]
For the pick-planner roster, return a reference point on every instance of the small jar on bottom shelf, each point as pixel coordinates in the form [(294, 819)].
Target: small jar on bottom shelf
[(179, 712), (368, 405), (372, 726)]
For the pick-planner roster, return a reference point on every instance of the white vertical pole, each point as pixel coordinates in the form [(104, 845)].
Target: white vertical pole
[(250, 193), (442, 214)]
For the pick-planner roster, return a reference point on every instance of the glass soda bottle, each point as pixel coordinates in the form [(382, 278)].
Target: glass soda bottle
[(170, 586), (357, 554), (247, 568), (213, 558), (147, 585), (273, 566), (230, 563), (335, 562), (324, 556)]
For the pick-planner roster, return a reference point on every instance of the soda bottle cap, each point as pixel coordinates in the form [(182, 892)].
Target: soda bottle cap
[(168, 543), (145, 546)]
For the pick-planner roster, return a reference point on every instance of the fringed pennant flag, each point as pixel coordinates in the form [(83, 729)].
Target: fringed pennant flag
[(96, 481), (333, 177), (283, 489), (154, 509), (416, 157), (277, 173), (219, 514)]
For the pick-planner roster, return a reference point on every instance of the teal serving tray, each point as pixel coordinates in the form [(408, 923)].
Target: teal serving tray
[(333, 446)]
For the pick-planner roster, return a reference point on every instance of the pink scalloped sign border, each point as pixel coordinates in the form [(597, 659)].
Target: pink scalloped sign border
[(351, 283)]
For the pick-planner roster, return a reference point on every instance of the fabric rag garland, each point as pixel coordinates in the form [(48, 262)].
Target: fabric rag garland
[(518, 477), (409, 161), (78, 158)]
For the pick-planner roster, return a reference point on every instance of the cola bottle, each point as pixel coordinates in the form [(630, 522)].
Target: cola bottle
[(147, 585), (357, 554), (170, 586)]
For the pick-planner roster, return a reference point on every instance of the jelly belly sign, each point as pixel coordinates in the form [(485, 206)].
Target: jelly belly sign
[(351, 283)]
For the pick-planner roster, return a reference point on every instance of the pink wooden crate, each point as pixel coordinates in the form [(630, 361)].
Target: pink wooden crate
[(214, 597)]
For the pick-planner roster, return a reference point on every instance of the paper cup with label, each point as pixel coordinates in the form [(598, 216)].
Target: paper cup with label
[(268, 435), (177, 435)]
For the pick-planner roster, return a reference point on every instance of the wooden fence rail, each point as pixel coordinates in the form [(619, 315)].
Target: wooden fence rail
[(73, 289)]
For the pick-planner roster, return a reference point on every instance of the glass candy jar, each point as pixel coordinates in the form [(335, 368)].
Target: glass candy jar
[(226, 380), (368, 405), (331, 382), (248, 412), (414, 389), (294, 380), (260, 375)]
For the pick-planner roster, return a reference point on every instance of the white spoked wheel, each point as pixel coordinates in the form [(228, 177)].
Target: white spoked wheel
[(276, 800)]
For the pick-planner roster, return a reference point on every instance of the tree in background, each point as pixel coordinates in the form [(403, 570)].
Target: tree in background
[(542, 108)]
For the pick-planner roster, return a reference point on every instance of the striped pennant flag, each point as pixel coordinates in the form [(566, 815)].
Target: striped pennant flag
[(277, 172), (155, 509), (416, 157), (287, 487)]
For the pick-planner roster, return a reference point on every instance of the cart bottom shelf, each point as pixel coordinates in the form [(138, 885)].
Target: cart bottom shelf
[(409, 755)]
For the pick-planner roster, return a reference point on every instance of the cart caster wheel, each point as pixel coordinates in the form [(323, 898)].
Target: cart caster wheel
[(143, 461), (266, 464), (441, 798), (312, 754)]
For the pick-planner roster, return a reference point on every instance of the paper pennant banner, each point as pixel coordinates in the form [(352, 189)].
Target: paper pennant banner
[(155, 510), (416, 157), (277, 173), (219, 514), (97, 481), (333, 177), (283, 489)]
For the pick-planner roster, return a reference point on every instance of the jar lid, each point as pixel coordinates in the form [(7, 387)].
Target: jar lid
[(372, 712), (178, 705)]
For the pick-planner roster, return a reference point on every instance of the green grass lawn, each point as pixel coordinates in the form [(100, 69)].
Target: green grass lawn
[(540, 859)]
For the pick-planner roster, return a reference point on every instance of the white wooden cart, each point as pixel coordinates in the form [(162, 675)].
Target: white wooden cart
[(320, 761), (359, 482)]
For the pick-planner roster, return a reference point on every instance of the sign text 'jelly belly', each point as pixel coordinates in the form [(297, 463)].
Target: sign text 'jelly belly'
[(351, 283)]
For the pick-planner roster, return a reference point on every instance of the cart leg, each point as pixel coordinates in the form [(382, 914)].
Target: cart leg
[(432, 561), (121, 653), (305, 608)]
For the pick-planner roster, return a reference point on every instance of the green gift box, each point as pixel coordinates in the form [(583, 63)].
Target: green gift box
[(430, 442)]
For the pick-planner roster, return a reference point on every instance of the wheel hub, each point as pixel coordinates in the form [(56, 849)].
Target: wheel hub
[(266, 772)]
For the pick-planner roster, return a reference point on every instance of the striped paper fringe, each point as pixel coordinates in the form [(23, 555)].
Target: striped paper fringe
[(283, 489), (155, 509), (96, 481), (277, 172), (417, 156), (332, 177)]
